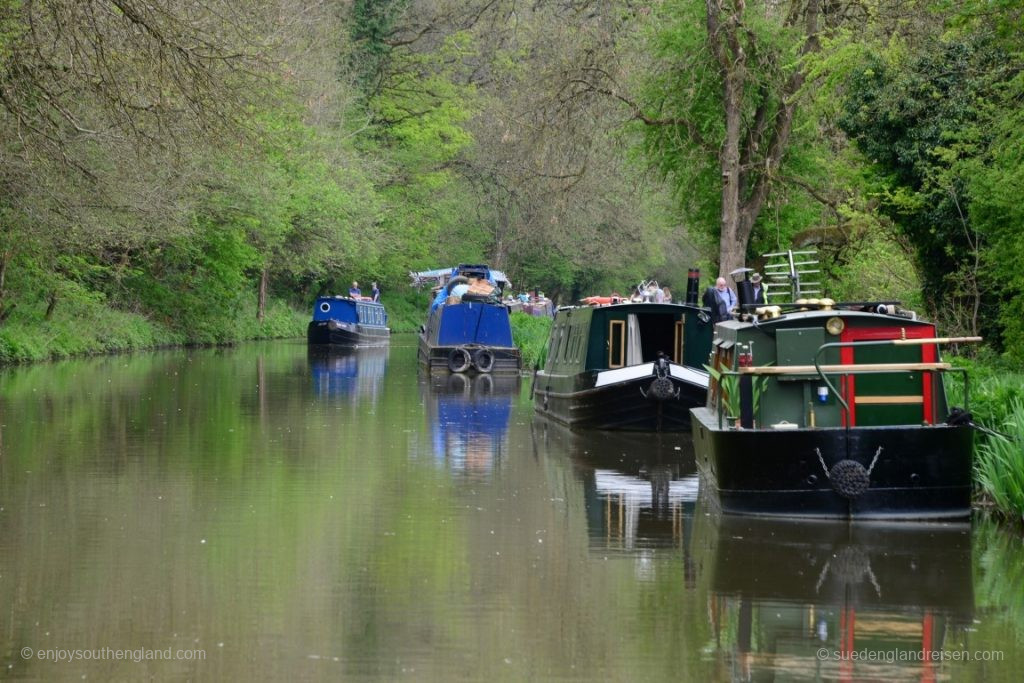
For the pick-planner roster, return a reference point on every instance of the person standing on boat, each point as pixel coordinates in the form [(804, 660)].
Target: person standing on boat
[(755, 280), (375, 292), (667, 293), (354, 290), (721, 300)]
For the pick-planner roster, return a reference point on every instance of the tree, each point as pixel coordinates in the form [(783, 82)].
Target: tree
[(719, 106), (924, 122)]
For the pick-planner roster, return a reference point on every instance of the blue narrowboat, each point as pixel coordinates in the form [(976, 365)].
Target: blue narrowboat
[(345, 321), (468, 328)]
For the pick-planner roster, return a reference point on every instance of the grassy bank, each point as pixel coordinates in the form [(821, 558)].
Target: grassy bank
[(530, 334), (93, 328), (997, 403)]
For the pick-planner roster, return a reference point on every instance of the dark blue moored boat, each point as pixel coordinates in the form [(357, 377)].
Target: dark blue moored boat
[(345, 321), (467, 329)]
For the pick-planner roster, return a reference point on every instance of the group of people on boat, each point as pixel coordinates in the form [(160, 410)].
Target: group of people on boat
[(722, 300), (357, 294), (651, 292)]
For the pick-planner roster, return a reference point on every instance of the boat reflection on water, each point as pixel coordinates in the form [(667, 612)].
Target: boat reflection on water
[(468, 417), (348, 371), (834, 601), (639, 488)]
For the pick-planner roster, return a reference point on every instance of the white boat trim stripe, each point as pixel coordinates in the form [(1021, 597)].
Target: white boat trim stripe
[(680, 372), (606, 377), (690, 376)]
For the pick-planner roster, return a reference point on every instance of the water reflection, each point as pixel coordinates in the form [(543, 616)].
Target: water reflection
[(639, 489), (468, 419), (836, 601), (348, 371)]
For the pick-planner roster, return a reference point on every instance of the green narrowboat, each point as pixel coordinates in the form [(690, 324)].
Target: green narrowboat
[(618, 364), (833, 411)]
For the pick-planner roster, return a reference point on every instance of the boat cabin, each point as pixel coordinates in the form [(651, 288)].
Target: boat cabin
[(348, 310), (828, 368), (585, 338)]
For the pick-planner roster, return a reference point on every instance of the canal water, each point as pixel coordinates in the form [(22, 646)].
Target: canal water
[(259, 513)]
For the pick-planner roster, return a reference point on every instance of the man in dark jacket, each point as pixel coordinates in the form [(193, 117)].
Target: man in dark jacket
[(758, 289), (721, 300)]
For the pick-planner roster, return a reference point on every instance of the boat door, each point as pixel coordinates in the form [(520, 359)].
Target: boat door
[(889, 398)]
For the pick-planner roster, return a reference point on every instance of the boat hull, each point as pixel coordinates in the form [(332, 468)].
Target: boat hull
[(576, 401), (921, 472), (437, 359), (334, 333)]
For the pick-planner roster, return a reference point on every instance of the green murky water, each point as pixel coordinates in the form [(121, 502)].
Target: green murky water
[(259, 513)]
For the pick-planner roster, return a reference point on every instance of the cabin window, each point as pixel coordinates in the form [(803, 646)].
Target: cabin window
[(616, 343), (559, 336)]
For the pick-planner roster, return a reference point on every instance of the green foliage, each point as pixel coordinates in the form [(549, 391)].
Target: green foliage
[(420, 115), (999, 465), (728, 390), (996, 403), (874, 265), (407, 308), (993, 391), (923, 120), (372, 27), (530, 333)]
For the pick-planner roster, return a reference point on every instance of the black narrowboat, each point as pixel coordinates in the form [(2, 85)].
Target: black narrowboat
[(619, 364), (833, 411)]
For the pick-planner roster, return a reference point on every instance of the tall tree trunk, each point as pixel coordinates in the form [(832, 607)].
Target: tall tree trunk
[(750, 156), (261, 306), (51, 304), (722, 26), (5, 257)]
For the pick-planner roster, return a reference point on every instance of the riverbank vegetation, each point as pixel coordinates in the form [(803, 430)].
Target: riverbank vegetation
[(530, 333), (198, 171), (997, 405)]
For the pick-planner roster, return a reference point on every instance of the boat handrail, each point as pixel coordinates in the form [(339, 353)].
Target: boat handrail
[(858, 369), (841, 369), (920, 341)]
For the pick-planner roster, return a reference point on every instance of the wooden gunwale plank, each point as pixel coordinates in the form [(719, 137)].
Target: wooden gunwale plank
[(888, 400), (843, 369)]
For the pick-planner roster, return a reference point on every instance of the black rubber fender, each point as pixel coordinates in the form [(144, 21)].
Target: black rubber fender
[(459, 359), (849, 478), (483, 360), (662, 389)]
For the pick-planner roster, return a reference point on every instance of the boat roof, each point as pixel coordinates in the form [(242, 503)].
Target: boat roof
[(904, 317), (344, 297), (626, 303), (439, 276)]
